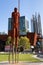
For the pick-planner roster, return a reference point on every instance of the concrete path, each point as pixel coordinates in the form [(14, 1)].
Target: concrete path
[(22, 63), (35, 56)]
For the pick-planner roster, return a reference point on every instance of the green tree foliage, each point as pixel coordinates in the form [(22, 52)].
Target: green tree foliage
[(24, 42), (8, 41)]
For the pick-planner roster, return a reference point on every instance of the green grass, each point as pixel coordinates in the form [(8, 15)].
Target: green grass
[(21, 57), (28, 57)]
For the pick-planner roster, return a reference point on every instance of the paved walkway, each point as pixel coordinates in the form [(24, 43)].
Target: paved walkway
[(35, 56), (22, 63)]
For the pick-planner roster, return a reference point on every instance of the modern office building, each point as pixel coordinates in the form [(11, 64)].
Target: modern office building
[(34, 26), (23, 25), (10, 20), (39, 24), (10, 27)]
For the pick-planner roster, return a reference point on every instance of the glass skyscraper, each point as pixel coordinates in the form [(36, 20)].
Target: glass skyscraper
[(10, 20), (39, 25), (24, 25), (36, 24)]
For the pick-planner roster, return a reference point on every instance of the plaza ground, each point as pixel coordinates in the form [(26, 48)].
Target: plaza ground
[(22, 63)]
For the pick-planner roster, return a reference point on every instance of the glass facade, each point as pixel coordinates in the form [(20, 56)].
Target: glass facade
[(24, 25), (34, 26), (39, 25), (27, 25), (10, 20)]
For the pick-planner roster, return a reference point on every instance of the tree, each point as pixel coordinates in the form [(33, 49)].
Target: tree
[(8, 41), (24, 43)]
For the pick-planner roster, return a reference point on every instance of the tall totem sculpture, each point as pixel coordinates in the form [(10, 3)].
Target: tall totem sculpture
[(15, 32)]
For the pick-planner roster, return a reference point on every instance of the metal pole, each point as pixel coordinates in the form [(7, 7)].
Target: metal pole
[(15, 47), (12, 53), (15, 53), (9, 54), (19, 5)]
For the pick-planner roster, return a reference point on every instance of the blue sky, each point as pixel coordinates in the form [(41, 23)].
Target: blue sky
[(27, 8)]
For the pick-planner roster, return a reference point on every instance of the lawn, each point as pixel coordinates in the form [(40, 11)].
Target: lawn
[(21, 57)]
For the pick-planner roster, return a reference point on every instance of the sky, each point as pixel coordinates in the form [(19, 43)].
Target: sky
[(27, 8)]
